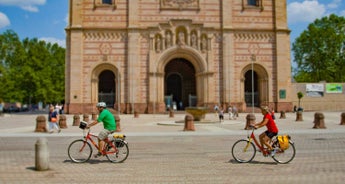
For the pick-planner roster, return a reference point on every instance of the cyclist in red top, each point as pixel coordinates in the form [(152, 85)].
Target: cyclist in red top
[(271, 131)]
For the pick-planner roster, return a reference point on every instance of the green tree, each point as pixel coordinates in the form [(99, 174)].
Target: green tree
[(319, 51), (32, 70)]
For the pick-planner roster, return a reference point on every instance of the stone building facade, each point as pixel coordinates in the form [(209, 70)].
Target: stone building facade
[(147, 55)]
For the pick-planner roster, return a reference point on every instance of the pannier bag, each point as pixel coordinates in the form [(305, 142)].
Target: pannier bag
[(283, 141), (119, 136)]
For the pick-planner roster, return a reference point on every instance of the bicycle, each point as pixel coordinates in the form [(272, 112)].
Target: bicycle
[(115, 147), (244, 150)]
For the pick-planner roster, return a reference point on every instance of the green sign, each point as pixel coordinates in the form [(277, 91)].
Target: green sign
[(334, 88), (282, 94)]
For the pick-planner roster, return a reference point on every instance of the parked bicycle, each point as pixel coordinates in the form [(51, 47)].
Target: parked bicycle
[(244, 150), (115, 147)]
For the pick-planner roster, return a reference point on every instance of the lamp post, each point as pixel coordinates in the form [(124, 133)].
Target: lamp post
[(253, 58)]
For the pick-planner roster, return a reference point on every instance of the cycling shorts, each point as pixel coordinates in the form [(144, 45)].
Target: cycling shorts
[(270, 134)]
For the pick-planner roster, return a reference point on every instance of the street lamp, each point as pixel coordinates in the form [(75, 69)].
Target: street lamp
[(253, 59)]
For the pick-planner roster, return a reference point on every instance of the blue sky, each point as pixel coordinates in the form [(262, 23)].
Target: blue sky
[(47, 19)]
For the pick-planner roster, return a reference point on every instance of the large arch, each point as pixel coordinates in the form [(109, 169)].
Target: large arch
[(180, 84), (96, 73), (261, 76), (179, 52)]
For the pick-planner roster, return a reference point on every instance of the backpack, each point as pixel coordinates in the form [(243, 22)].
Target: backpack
[(283, 141)]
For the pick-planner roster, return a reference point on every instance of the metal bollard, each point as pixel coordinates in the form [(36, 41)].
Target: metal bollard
[(42, 154)]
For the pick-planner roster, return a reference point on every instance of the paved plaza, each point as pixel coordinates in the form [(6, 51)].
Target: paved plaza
[(161, 152)]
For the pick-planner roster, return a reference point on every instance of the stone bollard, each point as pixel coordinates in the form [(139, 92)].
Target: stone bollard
[(94, 116), (342, 121), (62, 121), (189, 123), (136, 114), (171, 113), (282, 115), (118, 125), (41, 125), (76, 120), (250, 121), (299, 116), (86, 118), (319, 120), (41, 155)]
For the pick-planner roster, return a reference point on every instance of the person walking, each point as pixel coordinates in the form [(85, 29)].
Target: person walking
[(53, 120)]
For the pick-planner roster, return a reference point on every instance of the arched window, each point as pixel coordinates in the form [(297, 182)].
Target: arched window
[(107, 2), (253, 2)]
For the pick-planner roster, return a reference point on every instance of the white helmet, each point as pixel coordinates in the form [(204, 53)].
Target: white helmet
[(101, 104)]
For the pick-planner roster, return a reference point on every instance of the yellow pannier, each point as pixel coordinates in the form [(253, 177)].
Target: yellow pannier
[(283, 141)]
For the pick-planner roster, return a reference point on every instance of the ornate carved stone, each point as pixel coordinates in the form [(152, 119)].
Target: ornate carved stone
[(180, 4)]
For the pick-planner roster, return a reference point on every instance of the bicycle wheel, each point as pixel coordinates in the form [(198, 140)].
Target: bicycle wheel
[(79, 151), (285, 156), (243, 151), (122, 153)]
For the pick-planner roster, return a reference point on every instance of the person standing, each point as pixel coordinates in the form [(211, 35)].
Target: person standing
[(230, 112), (109, 125), (221, 114), (53, 120)]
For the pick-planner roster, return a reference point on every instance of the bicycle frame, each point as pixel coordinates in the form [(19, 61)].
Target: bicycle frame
[(252, 137), (89, 136)]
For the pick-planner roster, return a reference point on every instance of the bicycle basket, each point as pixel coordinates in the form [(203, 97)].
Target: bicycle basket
[(283, 141), (82, 125)]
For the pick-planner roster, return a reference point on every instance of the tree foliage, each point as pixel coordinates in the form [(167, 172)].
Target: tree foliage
[(319, 51), (31, 70)]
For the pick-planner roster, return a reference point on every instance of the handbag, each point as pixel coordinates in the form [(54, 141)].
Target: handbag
[(54, 120)]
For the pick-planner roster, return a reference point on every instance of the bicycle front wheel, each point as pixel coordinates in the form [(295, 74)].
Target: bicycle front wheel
[(243, 151), (122, 154), (79, 151), (285, 156)]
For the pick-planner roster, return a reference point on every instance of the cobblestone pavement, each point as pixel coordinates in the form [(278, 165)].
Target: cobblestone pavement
[(160, 152)]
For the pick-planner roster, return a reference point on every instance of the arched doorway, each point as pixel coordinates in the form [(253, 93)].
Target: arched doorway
[(251, 89), (180, 84), (106, 88)]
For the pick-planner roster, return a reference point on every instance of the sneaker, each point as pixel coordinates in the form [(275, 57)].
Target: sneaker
[(98, 155), (59, 130), (273, 152)]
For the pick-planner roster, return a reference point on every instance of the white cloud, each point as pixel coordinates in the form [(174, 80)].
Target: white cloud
[(307, 11), (334, 4), (61, 43), (28, 5), (4, 21)]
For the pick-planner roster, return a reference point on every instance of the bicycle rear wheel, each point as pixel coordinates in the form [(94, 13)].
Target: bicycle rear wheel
[(285, 156), (123, 151), (79, 151), (243, 151)]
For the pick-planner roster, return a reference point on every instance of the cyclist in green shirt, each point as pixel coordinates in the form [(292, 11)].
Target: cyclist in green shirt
[(109, 125)]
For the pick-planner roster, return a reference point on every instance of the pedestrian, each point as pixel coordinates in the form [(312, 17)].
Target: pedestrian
[(216, 108), (235, 112), (221, 114), (231, 115), (53, 120)]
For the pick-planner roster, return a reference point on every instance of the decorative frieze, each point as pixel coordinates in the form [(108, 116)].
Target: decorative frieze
[(254, 36), (179, 5), (104, 35)]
